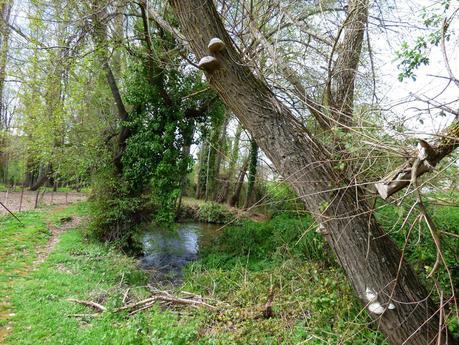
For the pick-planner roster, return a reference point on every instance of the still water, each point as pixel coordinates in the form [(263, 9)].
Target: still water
[(166, 253)]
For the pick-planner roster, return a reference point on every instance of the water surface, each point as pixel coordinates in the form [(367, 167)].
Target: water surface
[(166, 253)]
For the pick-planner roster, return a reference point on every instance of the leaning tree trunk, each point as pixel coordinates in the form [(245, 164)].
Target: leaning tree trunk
[(373, 263), (42, 179)]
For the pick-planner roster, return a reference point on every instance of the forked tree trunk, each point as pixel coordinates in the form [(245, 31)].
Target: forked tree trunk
[(370, 258)]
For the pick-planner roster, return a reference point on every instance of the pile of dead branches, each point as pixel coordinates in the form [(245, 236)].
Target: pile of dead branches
[(163, 297)]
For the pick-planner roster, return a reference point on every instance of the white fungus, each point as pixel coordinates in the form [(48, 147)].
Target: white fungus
[(208, 63), (371, 295), (376, 308), (216, 45)]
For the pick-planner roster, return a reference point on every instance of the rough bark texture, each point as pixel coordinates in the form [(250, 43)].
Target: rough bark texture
[(401, 177), (369, 257), (342, 77)]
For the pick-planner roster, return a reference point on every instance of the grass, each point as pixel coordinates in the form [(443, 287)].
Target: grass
[(313, 302), (17, 252), (310, 303)]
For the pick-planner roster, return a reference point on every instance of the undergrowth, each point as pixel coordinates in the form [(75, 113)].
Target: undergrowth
[(313, 302)]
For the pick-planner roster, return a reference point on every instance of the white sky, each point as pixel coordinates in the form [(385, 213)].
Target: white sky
[(395, 92)]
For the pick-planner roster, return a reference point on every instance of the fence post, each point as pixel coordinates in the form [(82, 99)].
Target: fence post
[(20, 201)]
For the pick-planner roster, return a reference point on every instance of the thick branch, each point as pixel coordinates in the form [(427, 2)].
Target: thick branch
[(345, 67), (401, 177)]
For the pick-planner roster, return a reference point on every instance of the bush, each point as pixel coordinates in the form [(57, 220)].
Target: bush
[(115, 210), (212, 212), (281, 199), (279, 238)]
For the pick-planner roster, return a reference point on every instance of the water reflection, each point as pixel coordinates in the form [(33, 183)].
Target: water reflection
[(167, 252)]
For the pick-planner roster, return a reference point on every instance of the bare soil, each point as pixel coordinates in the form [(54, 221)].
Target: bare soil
[(12, 200)]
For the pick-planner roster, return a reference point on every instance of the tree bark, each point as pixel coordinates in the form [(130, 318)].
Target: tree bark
[(234, 200), (370, 258), (5, 12), (233, 160), (341, 81)]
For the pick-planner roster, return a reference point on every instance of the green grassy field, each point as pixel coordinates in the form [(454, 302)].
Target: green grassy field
[(312, 304)]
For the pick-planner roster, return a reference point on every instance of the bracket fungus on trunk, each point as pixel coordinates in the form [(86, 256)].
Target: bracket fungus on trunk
[(374, 306), (210, 63), (216, 45)]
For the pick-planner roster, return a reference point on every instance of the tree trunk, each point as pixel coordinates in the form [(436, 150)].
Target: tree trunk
[(222, 146), (234, 200), (5, 12), (252, 171), (42, 179), (100, 37), (202, 171), (234, 158), (370, 258)]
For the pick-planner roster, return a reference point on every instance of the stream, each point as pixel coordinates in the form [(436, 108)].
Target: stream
[(166, 253)]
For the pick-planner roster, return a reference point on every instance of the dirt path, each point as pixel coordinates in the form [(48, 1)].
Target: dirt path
[(12, 200), (66, 223), (42, 253)]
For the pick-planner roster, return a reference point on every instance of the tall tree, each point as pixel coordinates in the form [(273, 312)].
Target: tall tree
[(382, 279)]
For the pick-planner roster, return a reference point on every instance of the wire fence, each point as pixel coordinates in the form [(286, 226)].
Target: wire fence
[(19, 199)]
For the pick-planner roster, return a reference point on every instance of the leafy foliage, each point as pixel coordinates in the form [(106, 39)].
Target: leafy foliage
[(212, 212)]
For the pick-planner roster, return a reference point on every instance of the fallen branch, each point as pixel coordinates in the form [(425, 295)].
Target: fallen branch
[(84, 315), (137, 306), (434, 153), (10, 212), (94, 305)]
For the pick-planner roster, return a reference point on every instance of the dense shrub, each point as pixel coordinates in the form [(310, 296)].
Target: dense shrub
[(212, 212)]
